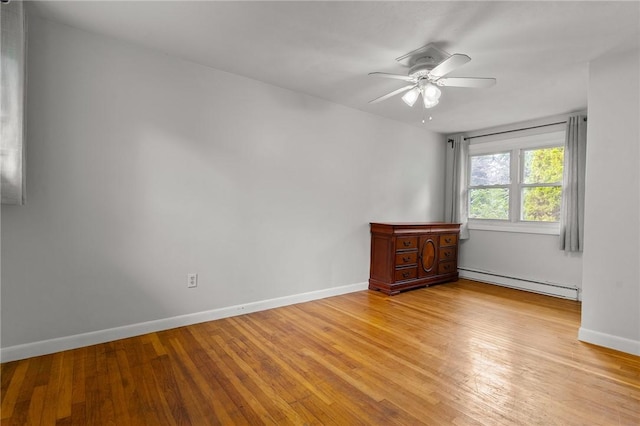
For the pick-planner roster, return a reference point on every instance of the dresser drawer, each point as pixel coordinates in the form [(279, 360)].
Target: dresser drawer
[(406, 274), (447, 253), (447, 267), (448, 240), (406, 243), (408, 258)]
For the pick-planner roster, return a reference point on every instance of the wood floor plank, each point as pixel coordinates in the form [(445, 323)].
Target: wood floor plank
[(18, 371), (52, 396), (36, 405), (27, 388), (78, 380), (79, 414), (199, 401), (202, 369), (274, 402), (463, 353), (64, 399), (153, 392), (117, 384), (243, 388), (281, 354), (170, 391), (5, 379)]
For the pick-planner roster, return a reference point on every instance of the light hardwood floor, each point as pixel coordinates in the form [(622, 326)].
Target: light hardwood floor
[(459, 353)]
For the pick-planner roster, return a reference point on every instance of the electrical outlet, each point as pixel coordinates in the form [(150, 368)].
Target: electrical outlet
[(192, 280)]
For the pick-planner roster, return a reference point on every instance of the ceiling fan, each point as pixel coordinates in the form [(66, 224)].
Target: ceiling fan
[(428, 67)]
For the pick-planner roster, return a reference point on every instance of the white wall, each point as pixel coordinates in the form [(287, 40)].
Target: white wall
[(143, 167), (611, 271), (524, 256), (534, 257)]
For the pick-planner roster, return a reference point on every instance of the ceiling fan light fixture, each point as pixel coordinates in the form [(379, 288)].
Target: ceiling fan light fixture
[(430, 103), (431, 92), (411, 96)]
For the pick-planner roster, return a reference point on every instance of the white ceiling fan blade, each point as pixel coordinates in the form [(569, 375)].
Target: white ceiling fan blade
[(451, 63), (396, 76), (478, 83), (395, 92)]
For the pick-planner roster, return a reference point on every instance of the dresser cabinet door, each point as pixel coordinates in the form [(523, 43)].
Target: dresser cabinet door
[(428, 258)]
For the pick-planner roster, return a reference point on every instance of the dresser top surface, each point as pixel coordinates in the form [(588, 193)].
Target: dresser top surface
[(397, 228), (412, 223)]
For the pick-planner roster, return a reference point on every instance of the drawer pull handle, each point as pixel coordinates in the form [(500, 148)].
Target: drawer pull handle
[(446, 268), (406, 243), (447, 240), (406, 259), (405, 275), (447, 254)]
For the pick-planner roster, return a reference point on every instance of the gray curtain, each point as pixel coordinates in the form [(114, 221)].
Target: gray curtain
[(572, 214), (456, 210), (12, 90)]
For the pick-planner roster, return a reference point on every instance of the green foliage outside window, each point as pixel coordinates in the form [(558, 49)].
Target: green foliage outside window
[(489, 203), (542, 203)]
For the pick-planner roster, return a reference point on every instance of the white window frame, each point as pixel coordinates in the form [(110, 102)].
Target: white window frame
[(516, 146)]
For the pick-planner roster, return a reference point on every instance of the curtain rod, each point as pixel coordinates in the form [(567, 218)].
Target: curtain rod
[(513, 130)]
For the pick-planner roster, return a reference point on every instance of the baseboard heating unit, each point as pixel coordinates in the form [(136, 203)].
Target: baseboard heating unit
[(550, 289)]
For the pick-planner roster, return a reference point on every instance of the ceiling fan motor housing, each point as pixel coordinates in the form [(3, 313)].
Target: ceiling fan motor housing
[(421, 69)]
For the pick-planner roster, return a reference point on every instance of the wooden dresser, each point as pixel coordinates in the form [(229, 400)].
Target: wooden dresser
[(410, 255)]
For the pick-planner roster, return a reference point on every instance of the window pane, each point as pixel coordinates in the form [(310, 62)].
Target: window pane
[(492, 169), (489, 203), (541, 203), (543, 165)]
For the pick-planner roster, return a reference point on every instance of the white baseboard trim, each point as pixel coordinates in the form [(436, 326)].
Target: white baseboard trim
[(549, 289), (610, 341), (44, 347)]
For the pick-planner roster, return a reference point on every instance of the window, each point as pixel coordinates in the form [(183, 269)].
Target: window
[(516, 184), (489, 184)]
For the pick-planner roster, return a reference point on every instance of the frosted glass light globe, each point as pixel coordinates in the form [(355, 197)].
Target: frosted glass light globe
[(411, 96)]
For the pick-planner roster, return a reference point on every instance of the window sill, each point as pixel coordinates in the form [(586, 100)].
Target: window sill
[(524, 228)]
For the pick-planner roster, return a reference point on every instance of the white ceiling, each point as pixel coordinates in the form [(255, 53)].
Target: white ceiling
[(538, 51)]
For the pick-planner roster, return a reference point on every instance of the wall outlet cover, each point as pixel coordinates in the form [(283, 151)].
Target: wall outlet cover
[(192, 280)]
